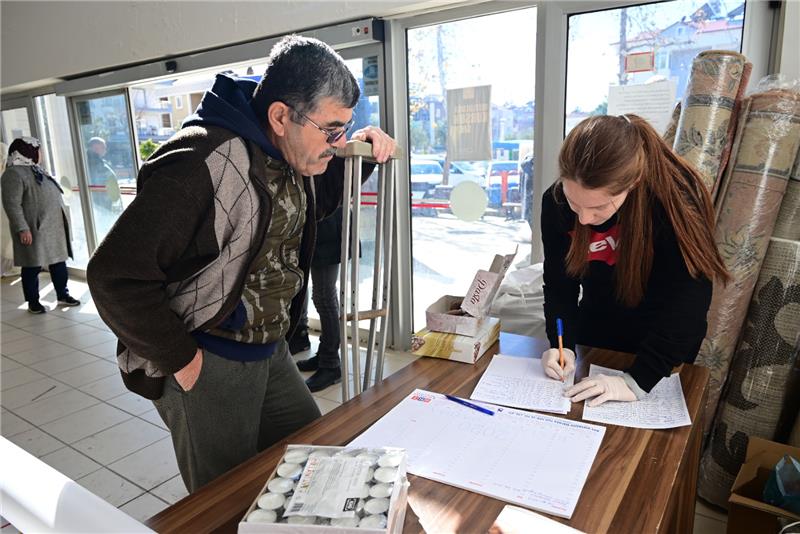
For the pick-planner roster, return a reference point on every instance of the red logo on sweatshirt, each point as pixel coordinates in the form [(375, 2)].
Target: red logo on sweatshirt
[(603, 245)]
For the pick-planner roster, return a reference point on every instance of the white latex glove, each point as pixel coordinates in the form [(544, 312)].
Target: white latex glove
[(603, 388), (552, 366)]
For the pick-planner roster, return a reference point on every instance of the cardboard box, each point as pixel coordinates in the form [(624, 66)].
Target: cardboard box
[(438, 320), (395, 515), (748, 513), (456, 347), (466, 316)]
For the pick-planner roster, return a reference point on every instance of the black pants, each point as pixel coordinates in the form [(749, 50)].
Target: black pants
[(326, 301), (30, 281)]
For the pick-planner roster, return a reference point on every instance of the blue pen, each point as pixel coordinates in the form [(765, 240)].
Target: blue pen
[(470, 405)]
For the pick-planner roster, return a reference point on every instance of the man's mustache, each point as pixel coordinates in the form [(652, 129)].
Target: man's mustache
[(328, 153)]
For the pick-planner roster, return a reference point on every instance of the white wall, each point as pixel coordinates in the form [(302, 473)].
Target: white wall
[(41, 41)]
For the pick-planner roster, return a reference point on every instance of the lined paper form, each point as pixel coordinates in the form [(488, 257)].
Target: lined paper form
[(521, 383), (663, 407), (509, 455)]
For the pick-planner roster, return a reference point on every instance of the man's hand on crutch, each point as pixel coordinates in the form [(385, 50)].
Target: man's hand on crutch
[(383, 146)]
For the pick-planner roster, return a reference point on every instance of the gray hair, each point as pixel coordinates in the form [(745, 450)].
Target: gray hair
[(301, 71)]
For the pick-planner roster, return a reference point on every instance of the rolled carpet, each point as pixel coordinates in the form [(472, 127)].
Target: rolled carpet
[(706, 127), (672, 127), (748, 207), (760, 373), (788, 224)]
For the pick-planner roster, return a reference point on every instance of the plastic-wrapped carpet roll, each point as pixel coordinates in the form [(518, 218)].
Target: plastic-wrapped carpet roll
[(705, 126), (788, 224), (672, 127), (750, 201), (760, 373)]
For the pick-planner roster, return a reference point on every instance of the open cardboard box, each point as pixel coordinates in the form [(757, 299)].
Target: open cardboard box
[(465, 316), (395, 515), (748, 513)]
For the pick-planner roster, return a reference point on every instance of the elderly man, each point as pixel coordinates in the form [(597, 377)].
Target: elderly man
[(204, 275)]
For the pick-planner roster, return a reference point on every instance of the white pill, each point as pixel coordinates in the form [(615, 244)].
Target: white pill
[(373, 521), (344, 522), (271, 501), (319, 454), (362, 492), (380, 491), (288, 470), (280, 485), (376, 506), (302, 520), (262, 516), (295, 456), (386, 474), (390, 460)]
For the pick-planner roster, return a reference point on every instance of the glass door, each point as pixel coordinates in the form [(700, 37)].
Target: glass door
[(107, 149), (471, 108)]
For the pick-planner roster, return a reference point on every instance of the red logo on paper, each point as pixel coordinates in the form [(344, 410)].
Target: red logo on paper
[(421, 397)]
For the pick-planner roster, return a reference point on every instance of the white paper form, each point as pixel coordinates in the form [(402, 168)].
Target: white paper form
[(521, 383), (663, 407), (533, 460)]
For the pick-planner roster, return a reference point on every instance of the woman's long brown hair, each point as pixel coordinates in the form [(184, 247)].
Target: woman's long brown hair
[(619, 154)]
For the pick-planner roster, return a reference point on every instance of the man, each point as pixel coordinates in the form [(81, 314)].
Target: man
[(100, 172), (204, 275)]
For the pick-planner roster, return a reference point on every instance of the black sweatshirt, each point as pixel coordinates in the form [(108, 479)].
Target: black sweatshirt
[(664, 330)]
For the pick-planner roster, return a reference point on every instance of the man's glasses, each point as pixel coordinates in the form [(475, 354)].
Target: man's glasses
[(333, 134)]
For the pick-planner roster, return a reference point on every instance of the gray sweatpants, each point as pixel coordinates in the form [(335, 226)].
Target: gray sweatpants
[(234, 410)]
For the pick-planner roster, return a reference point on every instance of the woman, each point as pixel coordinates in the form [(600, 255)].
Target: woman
[(631, 224), (36, 214)]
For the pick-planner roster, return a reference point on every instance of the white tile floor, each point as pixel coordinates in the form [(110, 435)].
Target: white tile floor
[(63, 401)]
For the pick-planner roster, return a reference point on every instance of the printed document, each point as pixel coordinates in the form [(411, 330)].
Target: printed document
[(516, 456), (521, 383), (663, 407)]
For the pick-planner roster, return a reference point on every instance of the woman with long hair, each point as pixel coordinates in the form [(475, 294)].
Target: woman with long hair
[(630, 223)]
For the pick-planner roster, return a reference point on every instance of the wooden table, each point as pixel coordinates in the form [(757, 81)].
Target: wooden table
[(642, 481)]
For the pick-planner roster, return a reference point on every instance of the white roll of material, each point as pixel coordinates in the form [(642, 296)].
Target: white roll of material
[(34, 497)]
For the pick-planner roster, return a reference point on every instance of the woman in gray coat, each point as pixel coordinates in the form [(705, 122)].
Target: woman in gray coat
[(38, 220)]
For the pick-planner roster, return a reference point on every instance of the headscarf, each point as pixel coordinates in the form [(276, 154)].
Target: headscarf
[(24, 152)]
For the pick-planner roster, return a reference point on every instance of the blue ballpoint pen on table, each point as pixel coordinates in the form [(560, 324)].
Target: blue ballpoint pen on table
[(469, 404)]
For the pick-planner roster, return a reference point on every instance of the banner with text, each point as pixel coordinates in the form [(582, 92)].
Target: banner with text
[(469, 123)]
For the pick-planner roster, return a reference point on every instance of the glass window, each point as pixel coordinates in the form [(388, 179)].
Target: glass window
[(106, 140), (59, 160), (15, 124), (448, 65), (676, 31)]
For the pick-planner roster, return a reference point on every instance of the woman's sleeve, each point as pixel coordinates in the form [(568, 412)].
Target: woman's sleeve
[(560, 289), (13, 189), (674, 313)]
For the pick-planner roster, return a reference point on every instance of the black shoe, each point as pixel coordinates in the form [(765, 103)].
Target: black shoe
[(323, 378), (36, 307), (69, 301), (299, 343), (311, 364)]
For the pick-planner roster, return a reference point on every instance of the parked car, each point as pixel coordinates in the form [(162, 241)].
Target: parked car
[(494, 175), (425, 174), (462, 171)]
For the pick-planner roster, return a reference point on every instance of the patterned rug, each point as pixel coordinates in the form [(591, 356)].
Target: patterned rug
[(749, 201), (757, 386)]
